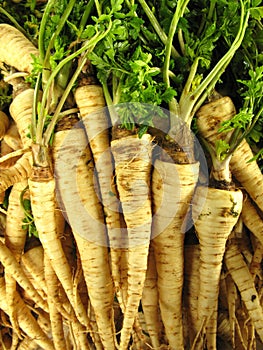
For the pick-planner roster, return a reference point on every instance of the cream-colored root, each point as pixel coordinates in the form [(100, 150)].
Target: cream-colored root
[(32, 263), (231, 301), (95, 336), (91, 103), (223, 327), (42, 195), (80, 337), (15, 234), (252, 219), (213, 224), (173, 188), (27, 344), (87, 223), (26, 320), (18, 172), (240, 273), (21, 112), (16, 49), (211, 115), (255, 265), (150, 303), (5, 149), (12, 137), (15, 238), (191, 288), (56, 319), (13, 268), (246, 172), (132, 167)]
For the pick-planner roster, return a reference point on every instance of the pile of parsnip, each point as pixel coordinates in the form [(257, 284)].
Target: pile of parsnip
[(131, 184)]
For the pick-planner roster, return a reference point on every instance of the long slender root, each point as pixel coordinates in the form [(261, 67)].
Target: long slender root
[(239, 271)]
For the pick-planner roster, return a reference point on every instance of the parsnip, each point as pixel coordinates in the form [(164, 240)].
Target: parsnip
[(132, 157), (173, 187), (219, 214), (16, 49), (240, 273), (83, 210)]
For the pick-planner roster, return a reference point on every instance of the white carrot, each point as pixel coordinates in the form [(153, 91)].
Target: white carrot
[(252, 219), (247, 172), (13, 268), (211, 115), (27, 344), (91, 103), (132, 157), (15, 234), (231, 299), (42, 194), (150, 303), (32, 264), (81, 339), (239, 271), (15, 238), (173, 187), (21, 112), (191, 288), (74, 171), (220, 212), (5, 149), (25, 318), (16, 50), (16, 173), (56, 319), (223, 329), (12, 137), (255, 265)]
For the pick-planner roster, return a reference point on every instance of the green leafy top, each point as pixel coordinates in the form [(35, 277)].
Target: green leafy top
[(169, 52), (64, 40), (125, 62)]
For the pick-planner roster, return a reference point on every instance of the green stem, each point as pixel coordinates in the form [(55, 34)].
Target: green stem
[(111, 103), (41, 119), (33, 126), (220, 167), (51, 126), (41, 39), (98, 7), (129, 4), (175, 108), (85, 16), (191, 76), (181, 41), (116, 89), (188, 103), (211, 9), (154, 22), (60, 26), (107, 94), (180, 8), (209, 16)]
